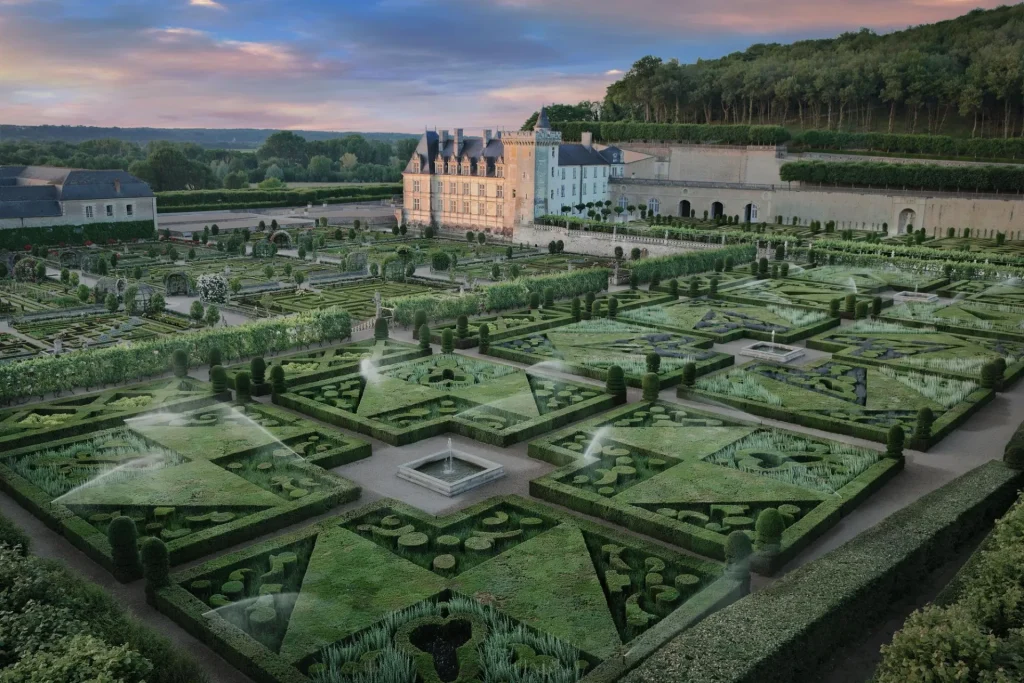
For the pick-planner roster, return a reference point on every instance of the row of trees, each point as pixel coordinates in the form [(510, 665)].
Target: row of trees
[(284, 157), (917, 176), (967, 70)]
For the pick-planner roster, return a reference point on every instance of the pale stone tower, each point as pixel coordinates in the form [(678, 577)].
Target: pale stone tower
[(530, 157)]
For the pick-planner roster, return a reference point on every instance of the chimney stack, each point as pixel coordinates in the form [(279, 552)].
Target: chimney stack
[(458, 141), (442, 137), (587, 139), (487, 136)]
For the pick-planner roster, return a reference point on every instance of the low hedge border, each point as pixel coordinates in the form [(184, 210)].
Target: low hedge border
[(474, 339), (956, 329), (93, 542), (441, 425), (265, 666), (693, 538), (751, 301), (944, 424), (784, 633)]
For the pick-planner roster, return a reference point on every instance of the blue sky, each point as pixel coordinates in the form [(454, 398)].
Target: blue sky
[(374, 65)]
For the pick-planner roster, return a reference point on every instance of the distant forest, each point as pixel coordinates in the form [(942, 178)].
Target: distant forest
[(963, 77), (210, 138), (283, 157)]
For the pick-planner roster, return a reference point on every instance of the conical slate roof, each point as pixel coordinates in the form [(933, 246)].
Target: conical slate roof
[(542, 120)]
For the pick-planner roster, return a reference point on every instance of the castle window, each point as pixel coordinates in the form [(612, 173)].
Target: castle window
[(574, 174), (653, 206), (623, 203), (465, 207), (552, 172), (110, 210), (451, 188), (595, 188), (563, 174), (605, 172), (584, 171), (500, 210), (501, 191), (563, 190), (129, 209), (465, 188), (416, 166), (415, 204), (552, 194), (583, 187), (88, 212), (499, 171), (480, 209), (415, 186), (451, 205), (481, 190)]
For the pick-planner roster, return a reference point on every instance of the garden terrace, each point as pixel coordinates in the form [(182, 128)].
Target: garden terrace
[(501, 326), (410, 401), (724, 278), (869, 280), (199, 479), (503, 589), (418, 251), (32, 297), (310, 366), (844, 397), (250, 271), (628, 299), (691, 478), (998, 292), (919, 349), (997, 321), (99, 329), (13, 347), (723, 321), (977, 244), (546, 264), (790, 292), (590, 347), (39, 422), (355, 298)]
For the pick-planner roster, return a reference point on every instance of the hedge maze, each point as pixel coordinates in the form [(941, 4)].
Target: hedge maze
[(410, 401), (101, 328), (499, 591), (690, 478)]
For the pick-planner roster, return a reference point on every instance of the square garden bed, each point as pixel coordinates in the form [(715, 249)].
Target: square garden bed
[(200, 479), (842, 396), (590, 347), (486, 401), (690, 478), (974, 318), (496, 592), (792, 292)]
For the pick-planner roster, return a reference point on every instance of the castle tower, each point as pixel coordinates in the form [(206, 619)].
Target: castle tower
[(531, 157)]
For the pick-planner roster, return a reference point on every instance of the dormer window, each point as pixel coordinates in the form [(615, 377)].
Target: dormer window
[(499, 171), (416, 166)]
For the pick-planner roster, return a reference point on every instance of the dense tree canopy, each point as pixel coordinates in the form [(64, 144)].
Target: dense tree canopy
[(963, 76)]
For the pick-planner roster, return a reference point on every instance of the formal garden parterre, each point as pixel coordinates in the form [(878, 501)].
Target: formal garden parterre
[(840, 395), (791, 292), (410, 401), (508, 589), (963, 316), (197, 479), (355, 298), (691, 478), (590, 347)]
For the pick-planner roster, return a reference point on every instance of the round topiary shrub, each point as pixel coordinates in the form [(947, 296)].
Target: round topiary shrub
[(575, 307), (243, 386), (214, 357), (179, 362), (651, 384), (876, 306), (653, 361), (447, 341), (156, 566), (613, 306), (549, 297), (484, 332), (124, 548), (894, 442), (737, 549), (534, 301), (258, 370), (833, 308), (380, 329), (861, 310), (851, 304), (419, 319), (277, 384), (462, 327), (219, 379), (673, 288), (689, 374), (1013, 456), (634, 280), (424, 335), (713, 286), (768, 530), (923, 428), (616, 382)]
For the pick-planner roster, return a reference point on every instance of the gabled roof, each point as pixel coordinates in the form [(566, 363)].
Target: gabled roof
[(430, 148), (36, 191), (580, 155)]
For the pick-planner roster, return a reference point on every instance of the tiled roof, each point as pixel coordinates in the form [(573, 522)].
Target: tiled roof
[(35, 191)]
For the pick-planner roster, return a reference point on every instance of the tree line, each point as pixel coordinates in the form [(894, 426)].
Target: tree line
[(906, 176), (966, 71), (284, 157)]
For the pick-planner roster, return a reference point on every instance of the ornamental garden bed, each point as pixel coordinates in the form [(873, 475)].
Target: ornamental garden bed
[(725, 278), (506, 590), (839, 395), (501, 326), (690, 478), (357, 298), (999, 292), (16, 348), (102, 328), (310, 366), (546, 264), (39, 422), (590, 347), (17, 298), (975, 318), (250, 271), (920, 349), (200, 479), (869, 280), (723, 321), (790, 292), (404, 403)]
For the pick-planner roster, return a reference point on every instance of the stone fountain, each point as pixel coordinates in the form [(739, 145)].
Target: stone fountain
[(779, 353), (451, 472)]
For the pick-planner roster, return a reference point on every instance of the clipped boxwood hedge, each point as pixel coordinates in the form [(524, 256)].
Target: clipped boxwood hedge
[(784, 633)]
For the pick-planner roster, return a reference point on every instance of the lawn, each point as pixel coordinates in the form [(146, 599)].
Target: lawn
[(841, 396), (498, 592), (690, 478), (410, 401), (590, 347), (199, 479)]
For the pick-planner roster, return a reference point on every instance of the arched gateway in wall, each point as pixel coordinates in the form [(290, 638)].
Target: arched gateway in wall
[(684, 208), (907, 218)]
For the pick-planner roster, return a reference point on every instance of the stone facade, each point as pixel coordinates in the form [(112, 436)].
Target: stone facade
[(495, 183)]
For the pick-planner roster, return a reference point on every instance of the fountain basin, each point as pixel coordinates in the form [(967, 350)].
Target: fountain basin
[(468, 472), (914, 298), (780, 353)]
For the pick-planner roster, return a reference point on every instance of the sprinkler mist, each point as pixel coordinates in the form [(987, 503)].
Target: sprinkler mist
[(594, 448), (853, 286), (449, 468)]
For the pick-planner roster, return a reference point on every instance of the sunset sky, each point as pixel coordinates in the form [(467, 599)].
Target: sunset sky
[(374, 65)]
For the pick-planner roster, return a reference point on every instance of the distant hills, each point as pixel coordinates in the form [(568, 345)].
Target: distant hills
[(210, 138)]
